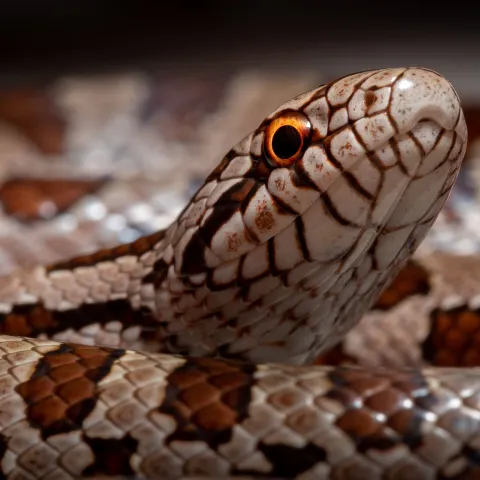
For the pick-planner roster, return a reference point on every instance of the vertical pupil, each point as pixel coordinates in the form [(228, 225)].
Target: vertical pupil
[(286, 142)]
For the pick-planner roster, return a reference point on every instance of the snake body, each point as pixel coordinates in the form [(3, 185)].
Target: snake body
[(149, 360)]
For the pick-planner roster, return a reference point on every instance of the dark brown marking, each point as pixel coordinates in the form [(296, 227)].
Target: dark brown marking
[(330, 208), (62, 390), (136, 248), (283, 206), (398, 155), (31, 320), (454, 338), (3, 449), (412, 280), (271, 257), (355, 85), (158, 273), (207, 398), (217, 171), (230, 202), (472, 118), (29, 199), (112, 456), (335, 356), (33, 112), (351, 179), (286, 461), (369, 99), (300, 237), (356, 389), (262, 170)]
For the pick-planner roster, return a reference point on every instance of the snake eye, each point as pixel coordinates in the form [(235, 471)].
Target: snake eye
[(286, 138)]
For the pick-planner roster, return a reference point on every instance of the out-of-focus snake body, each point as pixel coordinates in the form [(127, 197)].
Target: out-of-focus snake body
[(288, 243)]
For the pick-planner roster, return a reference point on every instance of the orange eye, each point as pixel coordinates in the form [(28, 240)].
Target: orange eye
[(286, 138)]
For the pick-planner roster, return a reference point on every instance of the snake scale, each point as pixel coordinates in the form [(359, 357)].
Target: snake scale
[(187, 353)]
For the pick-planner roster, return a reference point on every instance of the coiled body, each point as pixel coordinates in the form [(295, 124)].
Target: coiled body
[(285, 247)]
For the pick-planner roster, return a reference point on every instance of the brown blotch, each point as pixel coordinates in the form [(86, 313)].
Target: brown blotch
[(336, 356), (207, 398), (454, 338), (29, 199), (33, 113), (62, 390), (413, 279), (136, 248), (111, 456), (32, 320), (286, 461), (366, 393)]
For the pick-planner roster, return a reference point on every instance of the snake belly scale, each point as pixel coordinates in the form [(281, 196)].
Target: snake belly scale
[(185, 354)]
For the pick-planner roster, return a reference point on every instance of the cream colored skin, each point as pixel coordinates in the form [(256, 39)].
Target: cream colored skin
[(416, 111), (414, 129)]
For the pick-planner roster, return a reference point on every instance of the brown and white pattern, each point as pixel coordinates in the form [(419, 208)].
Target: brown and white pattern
[(279, 253), (71, 411)]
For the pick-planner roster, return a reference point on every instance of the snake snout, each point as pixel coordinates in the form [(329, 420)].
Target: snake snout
[(422, 94)]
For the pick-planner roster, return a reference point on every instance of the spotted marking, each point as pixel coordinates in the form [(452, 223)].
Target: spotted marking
[(62, 390), (207, 398)]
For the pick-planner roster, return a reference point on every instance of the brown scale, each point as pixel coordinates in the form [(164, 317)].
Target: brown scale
[(364, 393), (207, 397), (454, 338), (62, 390), (26, 198), (136, 248)]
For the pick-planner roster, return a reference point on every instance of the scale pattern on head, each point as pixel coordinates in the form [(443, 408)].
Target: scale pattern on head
[(316, 208)]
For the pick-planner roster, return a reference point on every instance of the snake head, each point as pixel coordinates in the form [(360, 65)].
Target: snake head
[(303, 223), (344, 162)]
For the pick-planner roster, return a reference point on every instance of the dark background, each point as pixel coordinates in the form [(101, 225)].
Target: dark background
[(43, 38)]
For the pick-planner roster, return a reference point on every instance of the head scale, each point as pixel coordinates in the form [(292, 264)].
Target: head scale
[(325, 200)]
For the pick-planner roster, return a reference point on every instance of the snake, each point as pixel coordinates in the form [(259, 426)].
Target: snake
[(204, 351)]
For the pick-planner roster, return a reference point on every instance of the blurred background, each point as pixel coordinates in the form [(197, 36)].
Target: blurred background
[(112, 113)]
